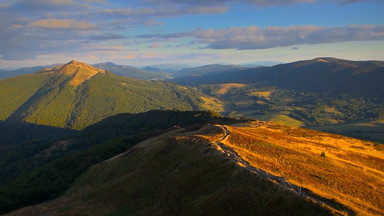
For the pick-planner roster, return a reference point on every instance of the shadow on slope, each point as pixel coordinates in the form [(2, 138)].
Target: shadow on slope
[(38, 176), (18, 132), (174, 174)]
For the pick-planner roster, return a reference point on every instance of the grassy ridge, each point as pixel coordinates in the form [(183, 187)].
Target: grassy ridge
[(348, 170), (174, 174)]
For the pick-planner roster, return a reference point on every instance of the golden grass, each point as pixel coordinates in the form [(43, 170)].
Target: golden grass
[(352, 171), (264, 94), (80, 71), (212, 103), (281, 119), (332, 110), (225, 87)]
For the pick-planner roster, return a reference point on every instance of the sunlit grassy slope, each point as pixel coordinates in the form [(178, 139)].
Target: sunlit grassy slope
[(348, 170), (177, 173), (280, 119)]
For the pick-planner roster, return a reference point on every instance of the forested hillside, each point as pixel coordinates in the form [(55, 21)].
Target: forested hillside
[(76, 95)]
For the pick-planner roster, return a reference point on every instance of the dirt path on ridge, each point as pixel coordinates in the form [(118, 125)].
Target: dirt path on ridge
[(301, 191)]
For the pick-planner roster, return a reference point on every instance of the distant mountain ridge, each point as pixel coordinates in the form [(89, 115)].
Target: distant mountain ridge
[(320, 75), (133, 72), (201, 71), (12, 73)]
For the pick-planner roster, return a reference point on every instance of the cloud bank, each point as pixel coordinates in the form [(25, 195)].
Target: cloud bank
[(31, 28), (253, 37)]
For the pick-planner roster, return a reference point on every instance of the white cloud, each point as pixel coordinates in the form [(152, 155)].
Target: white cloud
[(253, 37)]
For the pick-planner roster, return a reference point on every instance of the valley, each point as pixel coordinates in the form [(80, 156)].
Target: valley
[(340, 114)]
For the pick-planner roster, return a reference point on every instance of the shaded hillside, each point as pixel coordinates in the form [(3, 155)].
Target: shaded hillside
[(75, 95), (207, 70), (41, 170), (12, 133), (208, 74), (190, 166), (328, 76), (129, 71), (176, 173)]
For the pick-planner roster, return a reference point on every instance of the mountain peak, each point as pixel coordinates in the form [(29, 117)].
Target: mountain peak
[(79, 70), (78, 63), (73, 62)]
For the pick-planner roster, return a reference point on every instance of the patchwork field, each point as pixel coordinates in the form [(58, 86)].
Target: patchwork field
[(225, 87)]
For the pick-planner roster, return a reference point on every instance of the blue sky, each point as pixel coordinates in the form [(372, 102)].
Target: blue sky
[(147, 32)]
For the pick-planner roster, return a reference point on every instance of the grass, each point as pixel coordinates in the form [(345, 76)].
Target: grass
[(223, 88), (264, 94), (280, 119), (177, 173), (350, 171), (213, 104)]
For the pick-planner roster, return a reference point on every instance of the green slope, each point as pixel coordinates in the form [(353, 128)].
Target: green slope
[(109, 94), (105, 95), (16, 91), (74, 96)]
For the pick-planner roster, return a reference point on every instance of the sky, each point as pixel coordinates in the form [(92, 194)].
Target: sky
[(150, 32)]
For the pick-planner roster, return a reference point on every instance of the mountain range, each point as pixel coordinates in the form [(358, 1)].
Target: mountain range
[(322, 75), (133, 72), (76, 139)]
